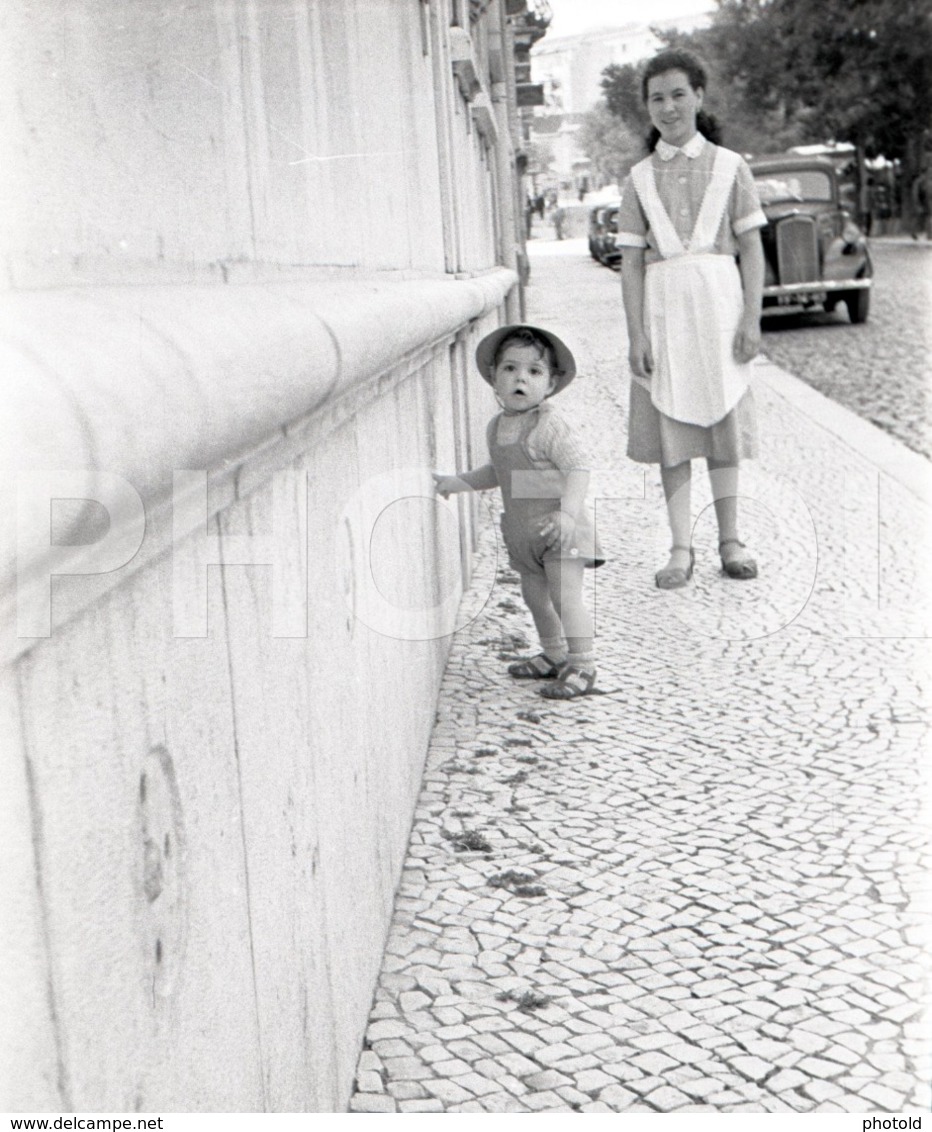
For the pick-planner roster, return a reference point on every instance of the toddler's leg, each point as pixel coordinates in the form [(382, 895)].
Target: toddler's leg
[(577, 676), (565, 585), (536, 593)]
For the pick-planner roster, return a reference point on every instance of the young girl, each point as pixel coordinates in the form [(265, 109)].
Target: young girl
[(693, 314), (542, 473)]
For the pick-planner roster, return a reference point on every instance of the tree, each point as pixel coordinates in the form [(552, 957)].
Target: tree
[(609, 145), (621, 88), (539, 160), (847, 70)]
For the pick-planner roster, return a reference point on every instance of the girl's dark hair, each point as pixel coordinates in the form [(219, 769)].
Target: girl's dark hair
[(524, 336), (679, 59), (674, 59)]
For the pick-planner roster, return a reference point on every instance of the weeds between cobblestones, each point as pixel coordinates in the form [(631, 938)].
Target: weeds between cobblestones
[(698, 892)]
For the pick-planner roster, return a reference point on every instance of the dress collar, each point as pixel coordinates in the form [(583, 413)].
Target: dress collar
[(692, 148)]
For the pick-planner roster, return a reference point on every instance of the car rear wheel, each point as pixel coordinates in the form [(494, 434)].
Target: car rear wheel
[(858, 304)]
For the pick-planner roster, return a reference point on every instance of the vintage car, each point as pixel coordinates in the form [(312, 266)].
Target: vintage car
[(603, 228), (815, 254)]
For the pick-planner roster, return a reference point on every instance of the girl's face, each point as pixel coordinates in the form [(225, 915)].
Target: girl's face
[(673, 105), (522, 378)]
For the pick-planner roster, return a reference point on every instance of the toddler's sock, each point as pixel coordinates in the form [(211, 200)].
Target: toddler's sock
[(554, 648)]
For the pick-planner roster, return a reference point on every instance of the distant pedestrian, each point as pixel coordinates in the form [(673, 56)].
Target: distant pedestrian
[(559, 218), (869, 207), (883, 207), (920, 206), (693, 317), (542, 471)]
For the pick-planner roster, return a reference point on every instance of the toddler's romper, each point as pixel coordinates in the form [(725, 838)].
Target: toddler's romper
[(530, 467), (687, 211)]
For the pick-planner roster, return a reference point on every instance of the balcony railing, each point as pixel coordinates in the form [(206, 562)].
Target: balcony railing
[(537, 13)]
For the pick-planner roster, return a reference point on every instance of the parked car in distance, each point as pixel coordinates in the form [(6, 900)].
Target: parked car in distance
[(815, 255), (603, 228), (595, 217)]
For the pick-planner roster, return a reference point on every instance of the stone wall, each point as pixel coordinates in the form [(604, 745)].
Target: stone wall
[(249, 251)]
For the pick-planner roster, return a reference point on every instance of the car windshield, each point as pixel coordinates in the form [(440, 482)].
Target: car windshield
[(795, 184)]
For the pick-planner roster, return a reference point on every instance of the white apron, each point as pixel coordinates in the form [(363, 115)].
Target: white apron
[(692, 305)]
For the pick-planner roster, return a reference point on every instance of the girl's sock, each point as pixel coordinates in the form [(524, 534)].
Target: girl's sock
[(584, 660)]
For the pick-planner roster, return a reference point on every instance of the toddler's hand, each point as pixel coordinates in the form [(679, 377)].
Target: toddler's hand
[(560, 528), (444, 485)]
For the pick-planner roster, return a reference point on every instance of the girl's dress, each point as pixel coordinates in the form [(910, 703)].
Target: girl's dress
[(686, 207), (531, 459)]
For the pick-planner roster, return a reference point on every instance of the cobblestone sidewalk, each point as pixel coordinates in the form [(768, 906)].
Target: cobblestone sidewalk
[(705, 889)]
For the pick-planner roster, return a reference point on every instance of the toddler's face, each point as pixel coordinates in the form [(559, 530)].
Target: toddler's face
[(523, 378)]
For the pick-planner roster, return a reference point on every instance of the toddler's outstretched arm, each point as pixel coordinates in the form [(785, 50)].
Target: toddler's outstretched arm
[(480, 479)]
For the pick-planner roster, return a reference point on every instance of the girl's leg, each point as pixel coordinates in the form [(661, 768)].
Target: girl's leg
[(677, 484), (736, 561), (724, 481), (535, 590), (565, 585)]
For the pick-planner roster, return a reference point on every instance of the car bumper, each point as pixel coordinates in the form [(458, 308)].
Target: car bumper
[(802, 291)]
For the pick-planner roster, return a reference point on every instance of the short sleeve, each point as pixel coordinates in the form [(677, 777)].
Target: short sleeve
[(746, 212), (553, 441), (632, 223)]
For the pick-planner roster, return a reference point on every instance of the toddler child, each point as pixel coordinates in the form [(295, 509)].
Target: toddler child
[(543, 475)]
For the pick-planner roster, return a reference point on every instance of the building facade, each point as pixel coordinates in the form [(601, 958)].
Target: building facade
[(248, 249)]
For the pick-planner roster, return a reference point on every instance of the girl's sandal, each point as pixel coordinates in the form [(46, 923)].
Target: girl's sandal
[(572, 682), (539, 667), (740, 566)]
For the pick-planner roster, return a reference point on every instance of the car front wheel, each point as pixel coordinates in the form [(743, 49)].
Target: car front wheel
[(858, 304)]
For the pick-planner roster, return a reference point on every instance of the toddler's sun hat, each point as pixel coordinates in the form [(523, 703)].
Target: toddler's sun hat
[(485, 353)]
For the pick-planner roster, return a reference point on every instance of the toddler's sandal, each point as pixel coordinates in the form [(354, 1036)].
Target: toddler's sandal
[(572, 682), (539, 667)]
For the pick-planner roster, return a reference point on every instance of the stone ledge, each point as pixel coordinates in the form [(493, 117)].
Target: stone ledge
[(140, 381)]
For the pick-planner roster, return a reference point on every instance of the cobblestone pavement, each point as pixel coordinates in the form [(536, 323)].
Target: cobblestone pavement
[(705, 889), (882, 368)]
